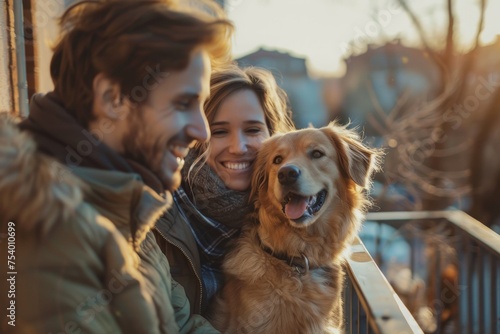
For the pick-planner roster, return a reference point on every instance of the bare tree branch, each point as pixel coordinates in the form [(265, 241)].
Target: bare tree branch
[(412, 128), (450, 45), (432, 53), (480, 27), (471, 56), (417, 24)]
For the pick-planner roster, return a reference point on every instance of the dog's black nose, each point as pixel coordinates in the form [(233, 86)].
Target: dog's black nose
[(287, 175)]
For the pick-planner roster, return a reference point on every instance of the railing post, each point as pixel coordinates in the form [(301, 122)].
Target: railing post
[(478, 260)]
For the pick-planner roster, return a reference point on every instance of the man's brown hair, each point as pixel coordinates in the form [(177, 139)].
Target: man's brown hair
[(132, 42)]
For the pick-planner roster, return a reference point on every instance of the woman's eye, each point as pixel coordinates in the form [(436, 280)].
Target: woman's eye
[(253, 130), (277, 159), (316, 154), (218, 132)]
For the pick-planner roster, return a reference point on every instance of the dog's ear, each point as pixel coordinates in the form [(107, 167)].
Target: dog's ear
[(355, 159), (260, 174)]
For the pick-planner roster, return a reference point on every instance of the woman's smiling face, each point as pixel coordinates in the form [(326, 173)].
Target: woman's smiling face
[(238, 130)]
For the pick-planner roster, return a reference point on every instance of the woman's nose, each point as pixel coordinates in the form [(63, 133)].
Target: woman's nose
[(238, 144)]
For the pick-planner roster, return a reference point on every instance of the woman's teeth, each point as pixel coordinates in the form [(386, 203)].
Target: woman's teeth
[(180, 162), (236, 165)]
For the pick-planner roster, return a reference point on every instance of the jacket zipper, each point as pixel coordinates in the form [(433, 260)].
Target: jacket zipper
[(189, 259)]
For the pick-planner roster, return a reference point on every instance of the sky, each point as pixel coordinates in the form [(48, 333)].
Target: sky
[(321, 30)]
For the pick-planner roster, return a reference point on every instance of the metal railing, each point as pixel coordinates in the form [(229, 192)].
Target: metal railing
[(370, 303), (457, 260)]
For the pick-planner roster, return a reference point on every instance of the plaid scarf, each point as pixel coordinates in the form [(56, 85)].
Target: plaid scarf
[(215, 215)]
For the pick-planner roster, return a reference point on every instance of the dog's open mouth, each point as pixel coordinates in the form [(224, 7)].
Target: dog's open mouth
[(298, 207)]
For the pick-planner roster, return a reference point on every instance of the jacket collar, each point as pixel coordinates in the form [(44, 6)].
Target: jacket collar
[(58, 134), (124, 199), (174, 227)]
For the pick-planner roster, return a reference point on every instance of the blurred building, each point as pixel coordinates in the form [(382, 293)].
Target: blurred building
[(333, 96), (304, 93), (382, 84), (376, 80)]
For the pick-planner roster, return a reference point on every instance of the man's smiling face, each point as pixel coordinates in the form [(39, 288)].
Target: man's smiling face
[(161, 130)]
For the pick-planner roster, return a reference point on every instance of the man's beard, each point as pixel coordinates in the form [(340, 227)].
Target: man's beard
[(143, 149)]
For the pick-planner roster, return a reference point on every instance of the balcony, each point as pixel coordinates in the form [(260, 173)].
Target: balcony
[(461, 285)]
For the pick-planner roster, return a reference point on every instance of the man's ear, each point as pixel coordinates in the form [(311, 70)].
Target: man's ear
[(108, 102)]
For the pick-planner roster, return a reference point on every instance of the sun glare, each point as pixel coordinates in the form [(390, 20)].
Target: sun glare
[(324, 31)]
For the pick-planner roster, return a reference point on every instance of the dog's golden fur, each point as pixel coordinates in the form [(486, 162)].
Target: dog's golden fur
[(264, 294)]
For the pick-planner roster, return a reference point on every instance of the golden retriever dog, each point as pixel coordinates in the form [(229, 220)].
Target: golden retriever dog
[(285, 274)]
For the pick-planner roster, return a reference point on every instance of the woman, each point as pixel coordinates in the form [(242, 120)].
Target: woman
[(245, 107)]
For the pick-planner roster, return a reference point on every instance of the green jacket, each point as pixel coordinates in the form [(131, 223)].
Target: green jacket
[(122, 199), (63, 287), (110, 190), (177, 242), (70, 269), (80, 278)]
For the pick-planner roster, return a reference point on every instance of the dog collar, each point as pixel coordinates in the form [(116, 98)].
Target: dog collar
[(299, 264)]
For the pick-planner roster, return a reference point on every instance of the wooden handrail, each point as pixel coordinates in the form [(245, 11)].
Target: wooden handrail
[(386, 313)]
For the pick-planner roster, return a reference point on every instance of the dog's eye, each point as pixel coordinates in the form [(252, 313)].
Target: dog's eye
[(316, 154), (277, 159)]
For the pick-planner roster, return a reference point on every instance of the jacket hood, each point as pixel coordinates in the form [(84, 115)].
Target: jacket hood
[(31, 194)]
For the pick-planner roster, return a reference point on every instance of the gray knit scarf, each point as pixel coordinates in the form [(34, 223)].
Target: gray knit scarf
[(212, 198)]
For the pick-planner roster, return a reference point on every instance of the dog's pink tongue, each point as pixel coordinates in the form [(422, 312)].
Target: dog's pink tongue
[(296, 207)]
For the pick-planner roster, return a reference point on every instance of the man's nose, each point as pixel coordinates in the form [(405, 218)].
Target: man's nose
[(197, 127), (238, 144)]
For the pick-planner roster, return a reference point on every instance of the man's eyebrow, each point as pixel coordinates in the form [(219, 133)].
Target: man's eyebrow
[(188, 96), (249, 122)]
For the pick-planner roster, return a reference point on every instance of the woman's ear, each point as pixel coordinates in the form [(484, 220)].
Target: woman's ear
[(108, 102), (357, 161)]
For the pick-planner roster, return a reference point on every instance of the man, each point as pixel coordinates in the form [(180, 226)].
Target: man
[(130, 81)]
